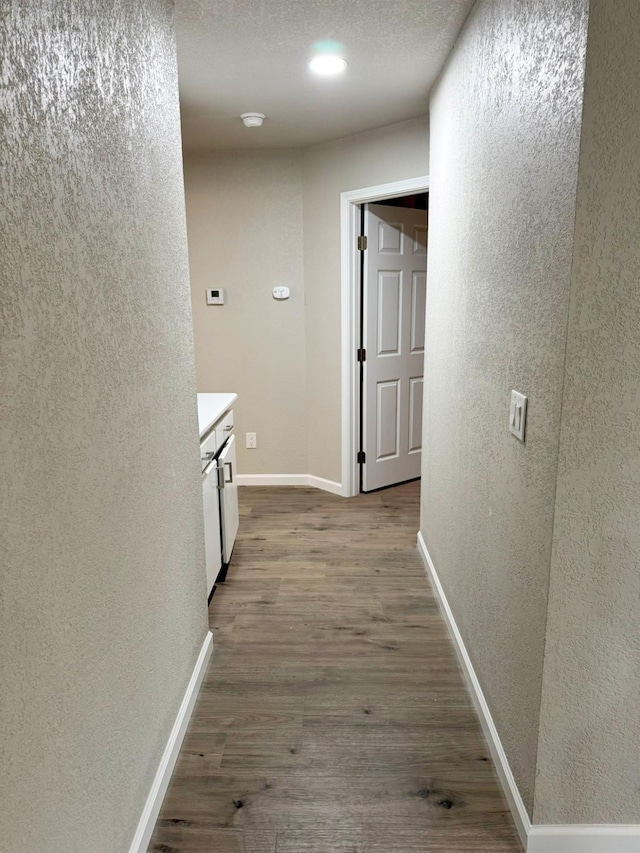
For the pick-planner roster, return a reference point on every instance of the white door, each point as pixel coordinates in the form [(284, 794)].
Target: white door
[(394, 304), (228, 498)]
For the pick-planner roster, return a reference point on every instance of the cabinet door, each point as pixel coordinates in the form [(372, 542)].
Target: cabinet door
[(212, 544), (228, 498)]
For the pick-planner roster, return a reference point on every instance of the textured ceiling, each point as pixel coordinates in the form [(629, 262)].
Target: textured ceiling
[(237, 56)]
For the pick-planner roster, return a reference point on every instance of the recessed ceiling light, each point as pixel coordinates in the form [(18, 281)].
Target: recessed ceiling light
[(327, 65)]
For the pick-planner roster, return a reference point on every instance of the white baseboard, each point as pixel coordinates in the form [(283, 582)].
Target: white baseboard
[(564, 838), (170, 755), (326, 485), (272, 479), (584, 838), (518, 810), (289, 480)]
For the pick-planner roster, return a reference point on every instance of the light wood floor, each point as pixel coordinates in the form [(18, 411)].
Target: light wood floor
[(333, 717)]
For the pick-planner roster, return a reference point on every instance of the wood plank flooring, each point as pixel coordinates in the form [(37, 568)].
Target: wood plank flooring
[(333, 717)]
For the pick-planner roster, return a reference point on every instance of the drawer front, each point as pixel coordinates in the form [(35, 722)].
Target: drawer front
[(209, 447), (224, 428)]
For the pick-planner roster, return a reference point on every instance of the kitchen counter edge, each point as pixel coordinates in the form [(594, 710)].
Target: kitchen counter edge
[(211, 407)]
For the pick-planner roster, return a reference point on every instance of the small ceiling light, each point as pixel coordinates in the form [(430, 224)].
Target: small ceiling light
[(253, 119), (327, 65)]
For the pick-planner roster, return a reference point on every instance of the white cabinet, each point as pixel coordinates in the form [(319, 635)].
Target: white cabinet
[(219, 495), (211, 505), (228, 498), (212, 541)]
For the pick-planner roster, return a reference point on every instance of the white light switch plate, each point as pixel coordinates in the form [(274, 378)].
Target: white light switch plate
[(518, 414)]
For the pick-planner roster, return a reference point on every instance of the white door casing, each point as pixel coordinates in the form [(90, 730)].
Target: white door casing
[(394, 305), (350, 202)]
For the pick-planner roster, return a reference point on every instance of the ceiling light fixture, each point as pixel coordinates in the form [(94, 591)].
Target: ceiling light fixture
[(253, 119), (328, 65)]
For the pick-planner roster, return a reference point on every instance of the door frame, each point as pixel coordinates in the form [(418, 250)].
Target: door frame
[(350, 312)]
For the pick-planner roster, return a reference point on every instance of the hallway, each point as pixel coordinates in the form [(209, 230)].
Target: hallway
[(333, 717)]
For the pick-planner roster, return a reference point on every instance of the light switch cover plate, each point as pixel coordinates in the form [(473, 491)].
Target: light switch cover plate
[(518, 414)]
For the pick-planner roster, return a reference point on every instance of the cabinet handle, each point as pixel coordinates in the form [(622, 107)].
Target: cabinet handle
[(230, 464)]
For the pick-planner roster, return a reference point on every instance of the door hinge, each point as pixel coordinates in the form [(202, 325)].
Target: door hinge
[(362, 243), (361, 355), (362, 456)]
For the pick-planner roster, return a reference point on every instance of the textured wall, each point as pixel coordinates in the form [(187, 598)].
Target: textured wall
[(103, 586), (590, 718), (391, 153), (244, 219), (505, 124)]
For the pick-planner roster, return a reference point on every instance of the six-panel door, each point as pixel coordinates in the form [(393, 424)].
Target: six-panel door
[(394, 302)]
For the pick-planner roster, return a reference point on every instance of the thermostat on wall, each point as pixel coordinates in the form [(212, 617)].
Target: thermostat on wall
[(215, 296)]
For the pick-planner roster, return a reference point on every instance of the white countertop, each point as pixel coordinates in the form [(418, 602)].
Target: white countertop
[(211, 407)]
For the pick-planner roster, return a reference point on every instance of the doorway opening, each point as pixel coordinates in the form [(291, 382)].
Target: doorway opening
[(393, 288), (381, 415)]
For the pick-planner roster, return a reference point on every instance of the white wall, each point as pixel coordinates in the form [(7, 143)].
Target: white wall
[(380, 156), (244, 219), (103, 580), (252, 217), (590, 717), (505, 129)]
